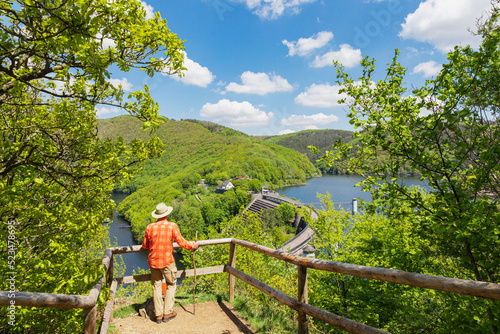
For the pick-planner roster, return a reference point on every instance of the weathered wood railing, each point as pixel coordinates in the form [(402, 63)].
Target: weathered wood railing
[(88, 302)]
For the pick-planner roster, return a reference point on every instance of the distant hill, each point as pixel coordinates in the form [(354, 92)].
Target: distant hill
[(206, 148), (322, 139)]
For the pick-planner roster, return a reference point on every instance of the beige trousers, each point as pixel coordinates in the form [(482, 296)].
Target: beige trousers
[(170, 275)]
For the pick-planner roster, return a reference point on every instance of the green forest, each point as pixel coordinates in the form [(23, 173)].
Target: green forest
[(195, 150)]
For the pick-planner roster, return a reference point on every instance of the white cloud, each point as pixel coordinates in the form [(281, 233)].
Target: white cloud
[(234, 113), (347, 56), (320, 96), (272, 9), (285, 132), (310, 121), (195, 74), (445, 23), (304, 46), (149, 10), (428, 69), (107, 110), (314, 127), (259, 83), (106, 42), (126, 85)]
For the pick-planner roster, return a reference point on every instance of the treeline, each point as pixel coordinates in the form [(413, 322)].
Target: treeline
[(323, 141)]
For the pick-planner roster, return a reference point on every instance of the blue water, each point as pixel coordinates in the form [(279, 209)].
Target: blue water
[(341, 188)]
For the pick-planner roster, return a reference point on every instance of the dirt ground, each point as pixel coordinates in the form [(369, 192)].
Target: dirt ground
[(210, 318)]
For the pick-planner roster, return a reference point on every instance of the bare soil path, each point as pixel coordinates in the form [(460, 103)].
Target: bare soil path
[(210, 318)]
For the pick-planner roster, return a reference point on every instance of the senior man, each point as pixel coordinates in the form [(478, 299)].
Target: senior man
[(158, 238)]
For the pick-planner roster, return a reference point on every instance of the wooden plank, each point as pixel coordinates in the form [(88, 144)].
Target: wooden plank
[(453, 285), (302, 297), (345, 324), (108, 311), (109, 273), (133, 279), (200, 271), (180, 273), (107, 258), (232, 263), (94, 292), (90, 320), (40, 299)]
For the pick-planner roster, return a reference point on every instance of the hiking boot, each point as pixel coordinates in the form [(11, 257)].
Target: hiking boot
[(158, 319), (168, 317)]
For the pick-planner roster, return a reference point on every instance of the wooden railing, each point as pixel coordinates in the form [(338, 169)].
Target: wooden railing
[(88, 302)]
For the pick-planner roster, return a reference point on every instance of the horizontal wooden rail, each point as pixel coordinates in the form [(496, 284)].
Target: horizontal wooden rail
[(39, 299), (180, 273), (453, 285), (138, 248), (345, 324)]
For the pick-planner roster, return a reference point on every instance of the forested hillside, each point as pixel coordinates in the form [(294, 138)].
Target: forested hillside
[(321, 139), (196, 150)]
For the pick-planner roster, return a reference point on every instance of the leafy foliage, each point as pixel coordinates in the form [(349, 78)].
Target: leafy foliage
[(448, 131), (378, 241), (55, 173)]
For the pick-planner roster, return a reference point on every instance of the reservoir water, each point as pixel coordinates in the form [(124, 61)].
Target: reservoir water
[(341, 188)]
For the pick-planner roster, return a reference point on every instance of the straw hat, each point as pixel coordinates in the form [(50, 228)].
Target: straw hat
[(161, 211)]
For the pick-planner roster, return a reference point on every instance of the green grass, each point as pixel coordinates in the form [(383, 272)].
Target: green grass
[(264, 319)]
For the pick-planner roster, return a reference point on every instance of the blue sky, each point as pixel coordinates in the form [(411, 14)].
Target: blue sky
[(264, 67)]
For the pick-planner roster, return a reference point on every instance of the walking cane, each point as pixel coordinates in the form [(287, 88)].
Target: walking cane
[(194, 287)]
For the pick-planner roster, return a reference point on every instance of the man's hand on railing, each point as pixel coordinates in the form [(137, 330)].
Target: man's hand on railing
[(196, 245)]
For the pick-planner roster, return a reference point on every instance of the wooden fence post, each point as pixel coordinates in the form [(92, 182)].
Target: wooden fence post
[(90, 320), (302, 297), (232, 263), (109, 274)]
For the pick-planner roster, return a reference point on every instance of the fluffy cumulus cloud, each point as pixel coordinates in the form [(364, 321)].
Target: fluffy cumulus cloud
[(305, 46), (195, 74), (260, 84), (286, 131), (320, 96), (309, 121), (107, 111), (126, 85), (238, 114), (150, 13), (427, 69), (272, 9), (445, 23), (347, 56)]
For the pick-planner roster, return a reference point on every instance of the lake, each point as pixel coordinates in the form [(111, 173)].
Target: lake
[(341, 188)]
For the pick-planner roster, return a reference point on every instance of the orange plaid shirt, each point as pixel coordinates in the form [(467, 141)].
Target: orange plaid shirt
[(158, 238)]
